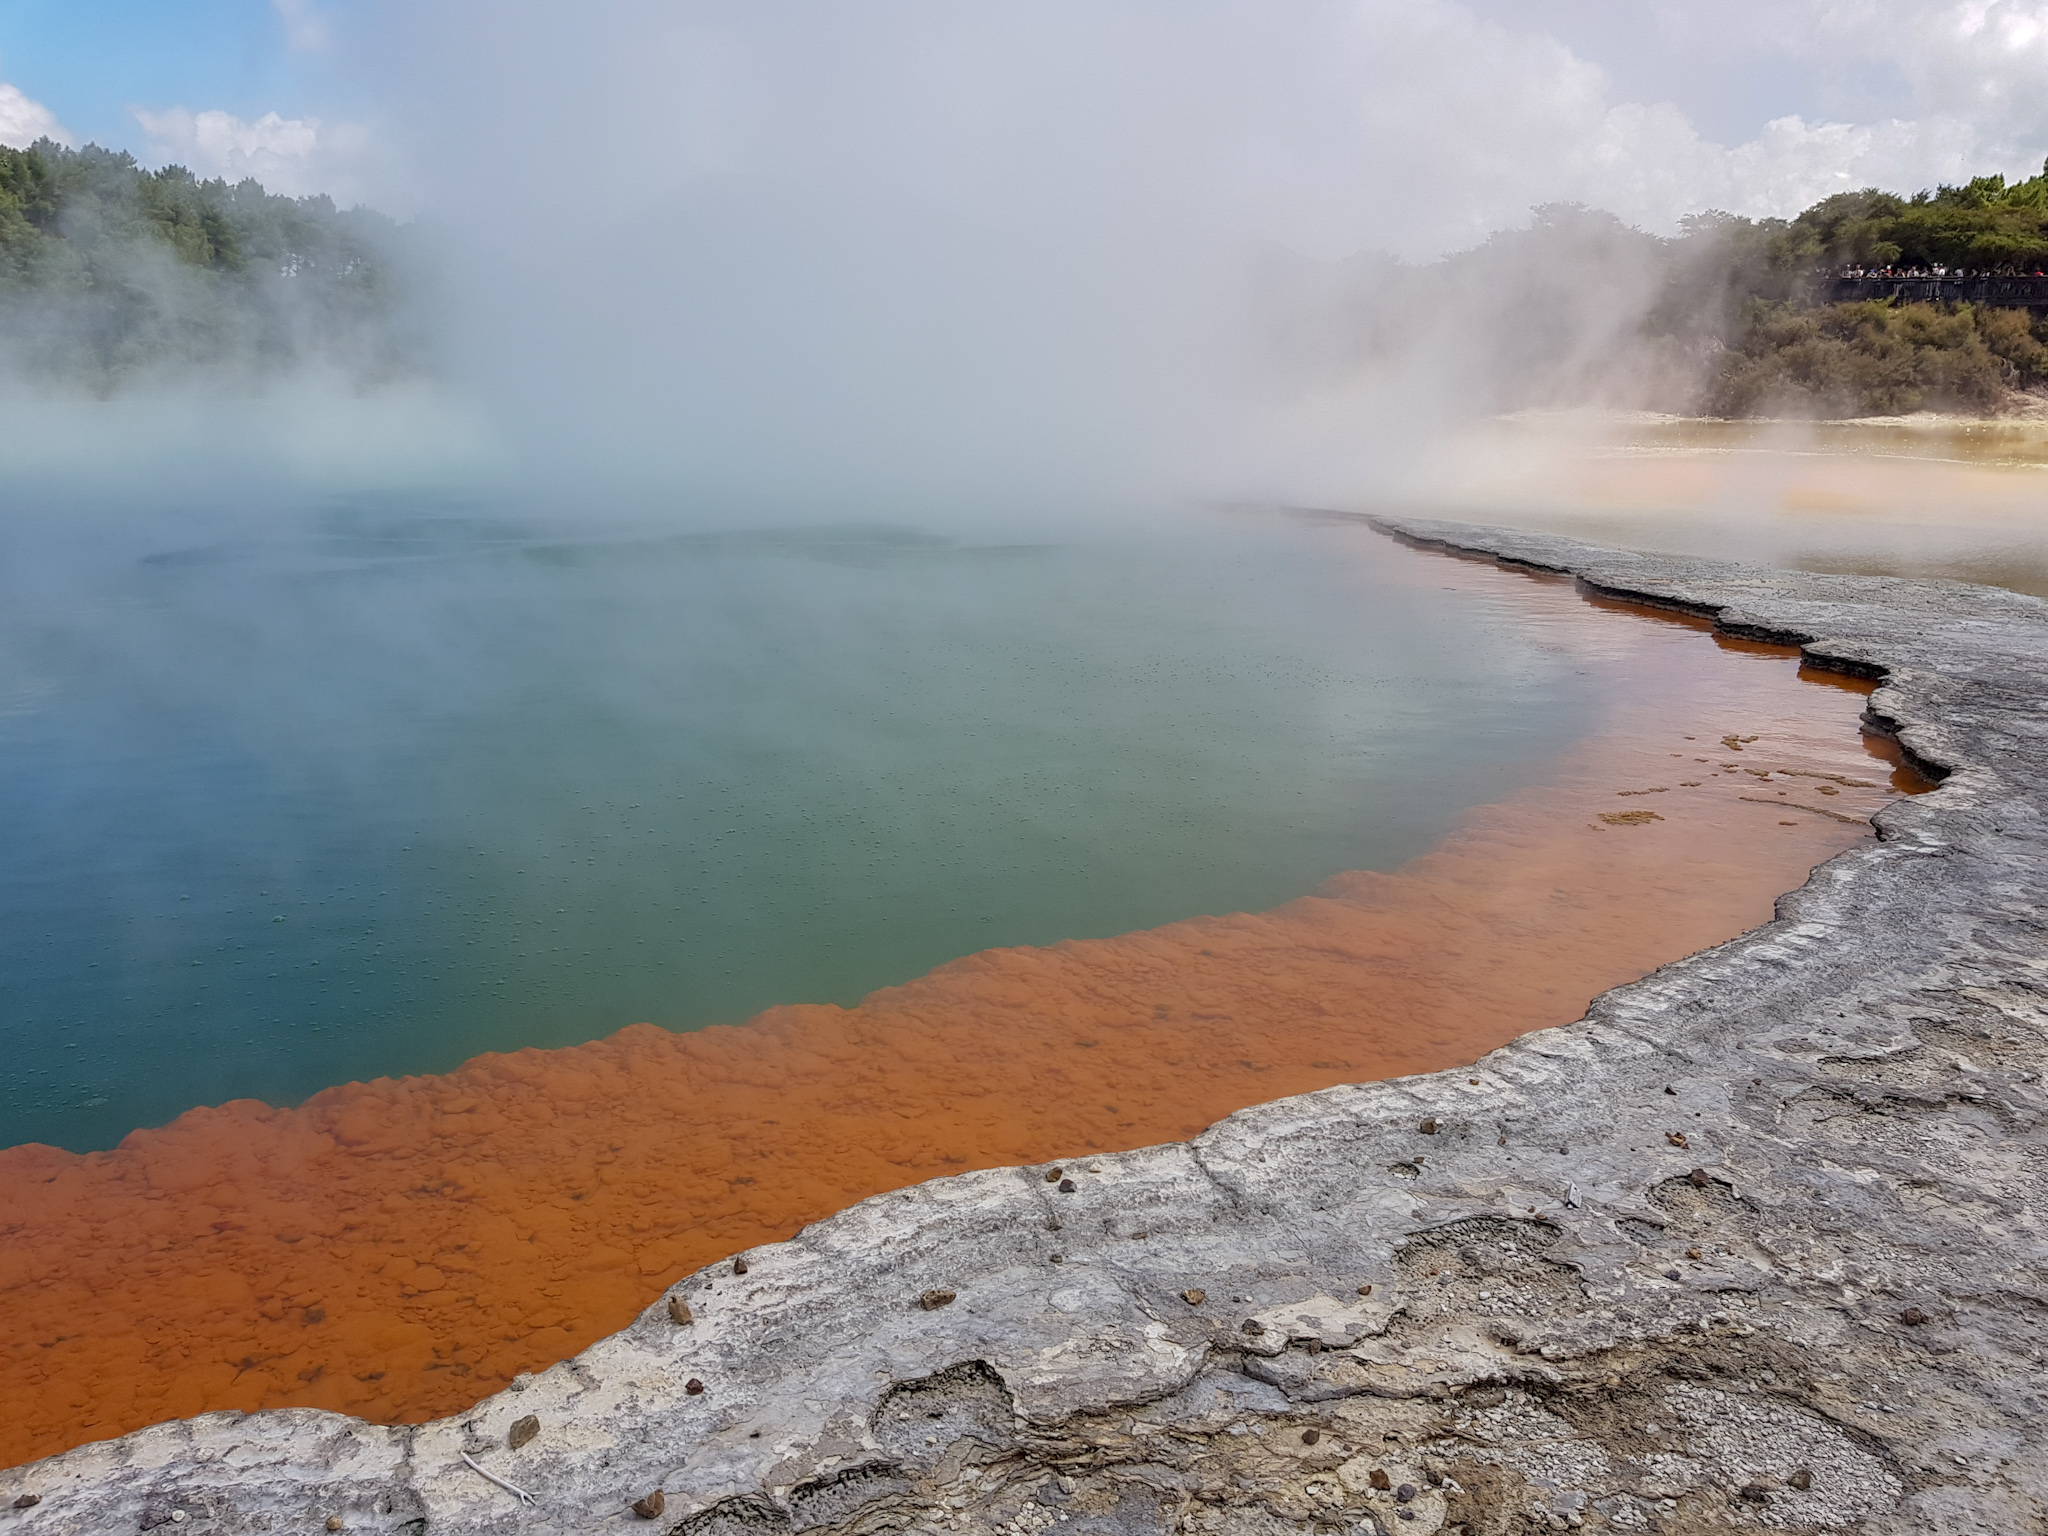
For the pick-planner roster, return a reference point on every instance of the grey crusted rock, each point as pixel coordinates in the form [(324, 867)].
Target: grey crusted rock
[(1503, 1367)]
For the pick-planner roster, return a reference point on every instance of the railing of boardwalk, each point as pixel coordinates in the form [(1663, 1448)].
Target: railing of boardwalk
[(1999, 292)]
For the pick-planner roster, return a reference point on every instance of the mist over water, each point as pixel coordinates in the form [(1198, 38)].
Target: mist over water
[(784, 580)]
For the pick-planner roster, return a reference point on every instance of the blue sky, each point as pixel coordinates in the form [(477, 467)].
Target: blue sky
[(89, 61)]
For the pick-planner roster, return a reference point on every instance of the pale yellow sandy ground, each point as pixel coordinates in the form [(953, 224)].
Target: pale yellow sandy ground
[(1916, 496)]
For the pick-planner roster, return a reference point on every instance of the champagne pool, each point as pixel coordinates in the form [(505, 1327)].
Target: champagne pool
[(362, 788)]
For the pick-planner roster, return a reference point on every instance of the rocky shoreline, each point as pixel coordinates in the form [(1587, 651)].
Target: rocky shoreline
[(1755, 1245)]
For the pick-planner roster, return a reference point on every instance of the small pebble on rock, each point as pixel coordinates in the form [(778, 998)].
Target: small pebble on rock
[(1066, 1186), (679, 1311), (1671, 1274), (1699, 1178), (1311, 1436), (1671, 1090), (1912, 1317), (739, 1266), (334, 1522), (1802, 1479), (931, 1301), (1676, 1138), (693, 1386), (522, 1430), (28, 1501), (1692, 1253), (650, 1508), (1428, 1127), (1404, 1493), (1195, 1297), (1254, 1327), (1379, 1479), (1365, 1290), (1054, 1175)]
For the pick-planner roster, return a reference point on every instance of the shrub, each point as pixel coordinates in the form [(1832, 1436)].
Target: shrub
[(1877, 359)]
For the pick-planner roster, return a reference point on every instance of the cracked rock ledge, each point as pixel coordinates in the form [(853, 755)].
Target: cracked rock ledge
[(1826, 1311)]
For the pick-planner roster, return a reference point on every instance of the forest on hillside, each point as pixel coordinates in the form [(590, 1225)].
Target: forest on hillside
[(1726, 317), (1781, 353), (109, 273), (112, 274)]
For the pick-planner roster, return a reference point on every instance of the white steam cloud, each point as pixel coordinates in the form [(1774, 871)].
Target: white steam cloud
[(806, 248)]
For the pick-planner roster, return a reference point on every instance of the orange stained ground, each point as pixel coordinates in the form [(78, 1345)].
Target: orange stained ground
[(398, 1249)]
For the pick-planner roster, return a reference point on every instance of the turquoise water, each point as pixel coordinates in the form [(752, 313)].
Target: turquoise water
[(304, 795)]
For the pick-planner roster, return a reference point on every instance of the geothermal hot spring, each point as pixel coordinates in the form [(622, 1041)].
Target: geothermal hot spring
[(431, 927)]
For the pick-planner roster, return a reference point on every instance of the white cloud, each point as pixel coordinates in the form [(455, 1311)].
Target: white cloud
[(23, 121), (1898, 93), (295, 156)]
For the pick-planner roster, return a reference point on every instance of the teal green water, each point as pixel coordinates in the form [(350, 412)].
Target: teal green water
[(376, 788)]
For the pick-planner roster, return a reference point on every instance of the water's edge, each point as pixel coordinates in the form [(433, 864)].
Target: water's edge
[(1716, 1248)]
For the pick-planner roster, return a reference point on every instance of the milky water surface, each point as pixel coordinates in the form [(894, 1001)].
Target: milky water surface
[(319, 793)]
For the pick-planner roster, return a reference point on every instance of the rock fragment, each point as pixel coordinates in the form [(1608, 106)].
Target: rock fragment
[(1428, 1127), (334, 1522), (1311, 1436), (1379, 1479), (1801, 1478), (1066, 1186), (522, 1430), (28, 1501), (1912, 1317), (1254, 1327), (1054, 1175), (693, 1386), (1194, 1297), (931, 1301), (739, 1266), (650, 1508), (679, 1312), (1699, 1178), (1677, 1139)]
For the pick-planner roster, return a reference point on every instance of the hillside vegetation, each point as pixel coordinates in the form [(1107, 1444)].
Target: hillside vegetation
[(1723, 318), (1730, 324), (110, 272), (1786, 355)]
